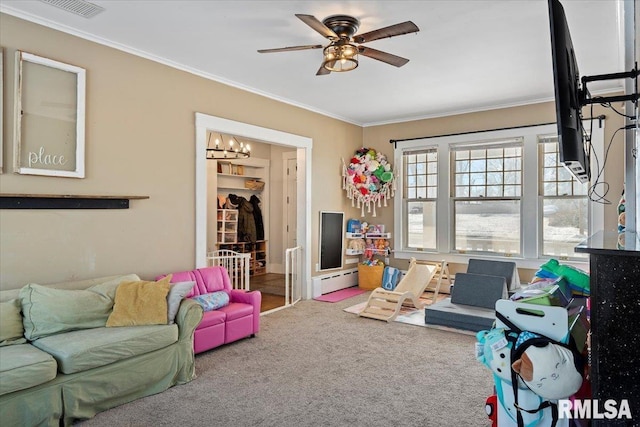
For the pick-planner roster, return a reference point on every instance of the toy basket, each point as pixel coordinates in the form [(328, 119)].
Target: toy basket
[(253, 184), (370, 276)]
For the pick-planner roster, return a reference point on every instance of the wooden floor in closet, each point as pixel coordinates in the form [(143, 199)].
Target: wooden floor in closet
[(271, 285)]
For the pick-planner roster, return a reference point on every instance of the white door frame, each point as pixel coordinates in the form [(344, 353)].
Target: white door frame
[(285, 157), (303, 145)]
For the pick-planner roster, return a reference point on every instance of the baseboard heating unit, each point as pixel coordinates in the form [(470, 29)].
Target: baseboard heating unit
[(334, 281)]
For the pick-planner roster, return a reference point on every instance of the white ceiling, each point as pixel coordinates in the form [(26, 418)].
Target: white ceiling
[(469, 55)]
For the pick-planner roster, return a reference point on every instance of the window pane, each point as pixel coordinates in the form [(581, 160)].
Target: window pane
[(494, 191), (494, 178), (478, 191), (495, 164), (488, 226), (564, 219), (564, 188), (462, 179), (487, 172), (549, 174), (478, 165), (565, 224), (462, 166), (421, 225), (477, 179), (462, 191)]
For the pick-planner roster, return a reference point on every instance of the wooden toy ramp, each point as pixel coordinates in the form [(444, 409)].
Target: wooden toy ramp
[(385, 305)]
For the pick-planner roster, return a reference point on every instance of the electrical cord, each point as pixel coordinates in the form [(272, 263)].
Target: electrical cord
[(607, 104), (593, 189)]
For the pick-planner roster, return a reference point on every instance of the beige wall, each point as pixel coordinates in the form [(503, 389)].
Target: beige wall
[(140, 140)]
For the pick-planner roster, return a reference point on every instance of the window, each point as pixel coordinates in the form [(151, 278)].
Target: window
[(420, 170), (565, 214), (486, 193), (498, 193)]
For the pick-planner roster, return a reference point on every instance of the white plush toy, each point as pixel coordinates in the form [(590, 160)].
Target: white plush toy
[(549, 371)]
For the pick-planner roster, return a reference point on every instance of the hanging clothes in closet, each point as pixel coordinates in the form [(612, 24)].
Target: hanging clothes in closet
[(257, 216), (246, 220)]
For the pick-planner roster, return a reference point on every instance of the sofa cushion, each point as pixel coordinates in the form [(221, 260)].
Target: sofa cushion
[(236, 310), (11, 329), (140, 303), (208, 279), (24, 366), (213, 300), (177, 292), (48, 311), (89, 348), (211, 318)]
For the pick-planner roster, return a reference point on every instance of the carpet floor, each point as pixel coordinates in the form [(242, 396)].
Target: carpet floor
[(317, 365)]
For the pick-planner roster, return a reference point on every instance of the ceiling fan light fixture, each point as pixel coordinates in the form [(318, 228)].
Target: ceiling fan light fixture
[(340, 56)]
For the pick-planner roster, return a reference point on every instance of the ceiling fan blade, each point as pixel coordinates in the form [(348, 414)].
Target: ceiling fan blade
[(398, 61), (322, 71), (287, 49), (390, 31), (313, 22)]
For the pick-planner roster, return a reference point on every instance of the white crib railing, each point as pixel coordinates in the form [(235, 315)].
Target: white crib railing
[(236, 263), (293, 275)]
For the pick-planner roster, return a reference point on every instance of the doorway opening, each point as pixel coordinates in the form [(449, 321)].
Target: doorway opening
[(302, 189)]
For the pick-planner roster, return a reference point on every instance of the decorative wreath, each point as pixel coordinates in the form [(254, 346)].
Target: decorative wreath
[(368, 179)]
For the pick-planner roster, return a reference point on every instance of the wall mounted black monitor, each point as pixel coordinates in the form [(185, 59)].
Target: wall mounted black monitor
[(566, 77)]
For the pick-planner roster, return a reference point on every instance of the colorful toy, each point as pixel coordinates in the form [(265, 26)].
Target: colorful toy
[(354, 226), (368, 179), (491, 408), (578, 280)]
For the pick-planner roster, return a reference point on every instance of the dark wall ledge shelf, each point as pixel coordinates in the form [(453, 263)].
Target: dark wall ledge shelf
[(65, 201)]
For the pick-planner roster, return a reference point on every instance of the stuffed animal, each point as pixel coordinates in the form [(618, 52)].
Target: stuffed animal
[(550, 371), (357, 245)]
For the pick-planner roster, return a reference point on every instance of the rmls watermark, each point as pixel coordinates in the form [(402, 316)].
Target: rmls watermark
[(587, 409)]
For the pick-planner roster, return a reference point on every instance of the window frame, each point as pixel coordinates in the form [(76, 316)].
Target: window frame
[(406, 199), (531, 204)]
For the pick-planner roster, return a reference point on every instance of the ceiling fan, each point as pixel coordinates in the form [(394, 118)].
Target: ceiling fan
[(341, 54)]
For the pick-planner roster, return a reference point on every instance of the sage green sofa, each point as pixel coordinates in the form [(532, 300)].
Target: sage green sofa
[(59, 363)]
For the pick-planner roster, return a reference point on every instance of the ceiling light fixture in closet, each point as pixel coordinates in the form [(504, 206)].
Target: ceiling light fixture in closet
[(233, 149)]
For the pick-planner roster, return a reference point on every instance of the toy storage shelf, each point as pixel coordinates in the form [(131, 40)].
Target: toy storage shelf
[(369, 277), (258, 251)]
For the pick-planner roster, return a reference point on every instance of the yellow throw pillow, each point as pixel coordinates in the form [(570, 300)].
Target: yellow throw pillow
[(140, 303)]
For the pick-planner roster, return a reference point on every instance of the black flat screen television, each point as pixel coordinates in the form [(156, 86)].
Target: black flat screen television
[(566, 78)]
